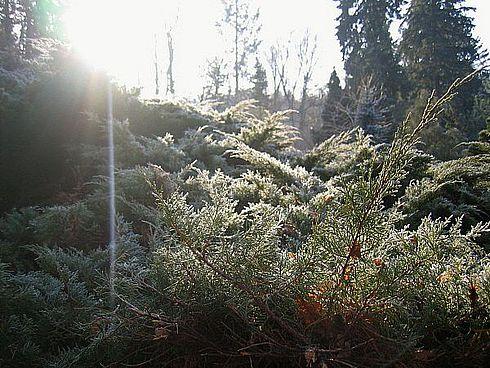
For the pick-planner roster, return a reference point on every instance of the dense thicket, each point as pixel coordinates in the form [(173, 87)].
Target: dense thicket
[(233, 247), (47, 113)]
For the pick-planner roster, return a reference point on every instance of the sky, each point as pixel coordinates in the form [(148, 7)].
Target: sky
[(120, 37)]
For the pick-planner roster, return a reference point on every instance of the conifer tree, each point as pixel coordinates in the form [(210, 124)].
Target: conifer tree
[(334, 88), (49, 15), (334, 94), (33, 25), (330, 114), (233, 250), (364, 108), (437, 46), (370, 112), (437, 43), (259, 81), (368, 50)]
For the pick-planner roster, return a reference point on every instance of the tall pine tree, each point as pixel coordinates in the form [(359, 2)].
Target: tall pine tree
[(331, 114), (259, 83), (368, 50), (437, 47), (332, 99)]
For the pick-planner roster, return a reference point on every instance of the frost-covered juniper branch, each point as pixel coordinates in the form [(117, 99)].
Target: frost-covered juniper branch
[(399, 155), (269, 134), (243, 286), (297, 179)]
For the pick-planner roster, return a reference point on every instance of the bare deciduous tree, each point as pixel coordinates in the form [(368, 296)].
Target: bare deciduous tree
[(243, 23), (274, 72), (307, 57), (170, 28), (292, 71), (170, 67), (216, 76), (291, 65), (156, 65)]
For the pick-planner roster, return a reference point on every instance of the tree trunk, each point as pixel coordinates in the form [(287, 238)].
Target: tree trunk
[(155, 61), (236, 48), (170, 72)]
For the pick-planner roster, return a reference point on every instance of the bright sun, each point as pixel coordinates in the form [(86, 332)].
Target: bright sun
[(115, 35), (121, 36)]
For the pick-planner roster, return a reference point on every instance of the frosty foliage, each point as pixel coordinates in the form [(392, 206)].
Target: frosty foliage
[(235, 249)]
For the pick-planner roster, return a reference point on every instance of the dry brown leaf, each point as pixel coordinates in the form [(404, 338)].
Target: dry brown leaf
[(160, 333), (378, 262), (310, 357)]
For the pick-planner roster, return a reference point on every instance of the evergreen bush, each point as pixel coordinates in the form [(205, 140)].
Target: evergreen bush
[(233, 250)]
